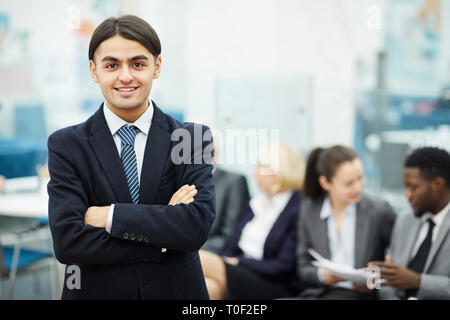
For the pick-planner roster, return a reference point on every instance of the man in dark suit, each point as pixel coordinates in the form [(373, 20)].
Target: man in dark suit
[(232, 197), (418, 265), (121, 194)]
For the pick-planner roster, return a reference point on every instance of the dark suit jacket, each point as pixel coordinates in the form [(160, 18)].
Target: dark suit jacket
[(279, 261), (231, 198), (86, 170), (374, 222), (435, 278)]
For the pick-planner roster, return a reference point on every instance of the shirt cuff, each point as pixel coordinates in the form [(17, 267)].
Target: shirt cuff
[(110, 219), (320, 275)]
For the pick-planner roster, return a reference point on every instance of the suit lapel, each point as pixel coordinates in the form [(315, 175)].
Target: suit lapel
[(107, 154), (157, 152), (443, 232), (322, 231), (411, 234), (361, 234)]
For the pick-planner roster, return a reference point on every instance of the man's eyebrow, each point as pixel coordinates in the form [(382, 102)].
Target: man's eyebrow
[(140, 57), (109, 58)]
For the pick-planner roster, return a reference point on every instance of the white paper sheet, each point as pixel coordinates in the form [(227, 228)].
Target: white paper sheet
[(357, 276)]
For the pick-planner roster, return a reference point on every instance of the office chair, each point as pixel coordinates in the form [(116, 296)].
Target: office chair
[(14, 259)]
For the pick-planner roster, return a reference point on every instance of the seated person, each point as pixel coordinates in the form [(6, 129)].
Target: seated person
[(418, 265), (231, 197), (259, 260), (339, 222)]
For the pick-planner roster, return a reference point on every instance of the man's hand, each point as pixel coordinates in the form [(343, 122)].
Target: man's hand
[(231, 260), (96, 216), (184, 195), (362, 288), (397, 276), (330, 278)]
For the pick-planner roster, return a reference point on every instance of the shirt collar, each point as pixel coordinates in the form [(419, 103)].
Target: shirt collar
[(437, 218), (278, 202), (115, 122), (327, 210)]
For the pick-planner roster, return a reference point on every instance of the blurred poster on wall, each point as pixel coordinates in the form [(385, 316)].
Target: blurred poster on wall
[(4, 19), (15, 89), (13, 48), (413, 43)]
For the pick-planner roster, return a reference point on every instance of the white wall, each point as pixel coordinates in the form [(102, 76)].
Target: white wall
[(54, 56), (205, 40), (274, 38)]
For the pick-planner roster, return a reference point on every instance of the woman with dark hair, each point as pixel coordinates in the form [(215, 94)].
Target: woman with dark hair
[(339, 222)]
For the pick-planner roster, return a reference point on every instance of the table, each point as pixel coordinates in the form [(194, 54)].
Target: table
[(24, 197), (24, 201)]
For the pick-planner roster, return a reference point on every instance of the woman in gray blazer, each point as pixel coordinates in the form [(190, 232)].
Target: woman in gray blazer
[(339, 222)]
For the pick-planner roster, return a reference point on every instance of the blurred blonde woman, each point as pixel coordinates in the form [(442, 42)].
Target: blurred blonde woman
[(259, 260)]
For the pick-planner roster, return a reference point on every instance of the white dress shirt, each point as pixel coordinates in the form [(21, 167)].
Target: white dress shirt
[(342, 246), (266, 211), (437, 219), (143, 123)]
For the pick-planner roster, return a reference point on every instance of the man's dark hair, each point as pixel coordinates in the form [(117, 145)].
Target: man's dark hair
[(432, 163), (130, 27)]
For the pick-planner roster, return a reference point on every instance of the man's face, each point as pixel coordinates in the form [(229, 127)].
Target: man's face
[(125, 70), (418, 191)]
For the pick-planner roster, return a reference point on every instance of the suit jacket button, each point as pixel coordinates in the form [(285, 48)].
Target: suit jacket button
[(132, 237), (125, 235), (140, 237)]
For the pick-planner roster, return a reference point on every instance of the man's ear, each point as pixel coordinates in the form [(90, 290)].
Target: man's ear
[(93, 71), (157, 67), (438, 184)]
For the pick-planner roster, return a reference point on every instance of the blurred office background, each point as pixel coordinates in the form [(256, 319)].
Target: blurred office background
[(371, 74)]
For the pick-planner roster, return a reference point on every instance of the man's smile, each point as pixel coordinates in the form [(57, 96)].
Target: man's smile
[(126, 91)]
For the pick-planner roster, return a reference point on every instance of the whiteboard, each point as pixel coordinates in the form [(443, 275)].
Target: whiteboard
[(262, 104)]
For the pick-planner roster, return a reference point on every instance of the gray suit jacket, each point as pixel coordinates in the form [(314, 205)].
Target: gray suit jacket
[(231, 197), (435, 280), (374, 222)]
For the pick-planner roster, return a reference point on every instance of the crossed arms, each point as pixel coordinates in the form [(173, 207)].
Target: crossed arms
[(77, 227)]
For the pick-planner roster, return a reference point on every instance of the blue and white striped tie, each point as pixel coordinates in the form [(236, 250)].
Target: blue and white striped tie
[(128, 158)]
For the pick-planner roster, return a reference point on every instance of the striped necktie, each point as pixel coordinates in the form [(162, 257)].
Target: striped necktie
[(128, 158)]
